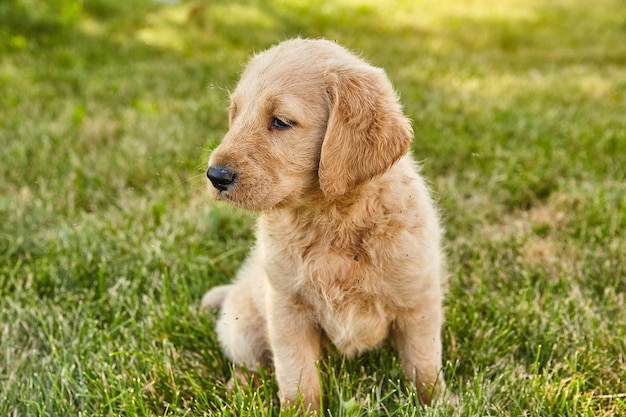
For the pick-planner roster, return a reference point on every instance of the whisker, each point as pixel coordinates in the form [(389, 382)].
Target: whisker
[(195, 177)]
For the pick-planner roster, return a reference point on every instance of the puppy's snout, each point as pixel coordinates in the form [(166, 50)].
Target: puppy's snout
[(221, 177)]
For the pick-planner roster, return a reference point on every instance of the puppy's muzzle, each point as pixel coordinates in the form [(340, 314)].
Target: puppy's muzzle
[(222, 178)]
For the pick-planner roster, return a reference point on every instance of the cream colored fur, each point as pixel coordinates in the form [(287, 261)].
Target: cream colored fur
[(348, 239)]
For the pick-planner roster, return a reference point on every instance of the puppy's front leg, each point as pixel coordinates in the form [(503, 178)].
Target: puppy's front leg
[(296, 345), (418, 340)]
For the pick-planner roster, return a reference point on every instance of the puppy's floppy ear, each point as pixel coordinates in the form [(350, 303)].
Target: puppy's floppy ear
[(366, 133)]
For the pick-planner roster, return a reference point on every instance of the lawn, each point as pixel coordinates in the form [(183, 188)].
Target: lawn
[(109, 109)]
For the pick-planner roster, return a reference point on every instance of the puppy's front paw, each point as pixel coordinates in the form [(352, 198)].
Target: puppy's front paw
[(301, 406)]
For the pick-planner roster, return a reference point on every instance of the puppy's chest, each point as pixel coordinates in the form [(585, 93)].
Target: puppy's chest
[(340, 277), (354, 321), (349, 300)]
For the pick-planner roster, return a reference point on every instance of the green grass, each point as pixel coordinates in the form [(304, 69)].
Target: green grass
[(108, 110)]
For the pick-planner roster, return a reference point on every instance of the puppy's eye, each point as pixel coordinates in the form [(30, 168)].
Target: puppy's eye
[(281, 124)]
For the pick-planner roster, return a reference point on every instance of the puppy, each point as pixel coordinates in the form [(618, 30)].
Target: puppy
[(348, 239)]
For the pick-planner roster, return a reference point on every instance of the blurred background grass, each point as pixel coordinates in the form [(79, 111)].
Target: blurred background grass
[(108, 111)]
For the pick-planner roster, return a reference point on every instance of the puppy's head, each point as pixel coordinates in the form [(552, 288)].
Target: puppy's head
[(307, 118)]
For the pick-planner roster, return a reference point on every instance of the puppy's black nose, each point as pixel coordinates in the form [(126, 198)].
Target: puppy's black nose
[(221, 178)]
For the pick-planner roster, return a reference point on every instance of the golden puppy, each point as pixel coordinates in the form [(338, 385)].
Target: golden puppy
[(348, 240)]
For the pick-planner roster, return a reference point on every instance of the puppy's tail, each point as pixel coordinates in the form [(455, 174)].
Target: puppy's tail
[(214, 298)]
